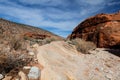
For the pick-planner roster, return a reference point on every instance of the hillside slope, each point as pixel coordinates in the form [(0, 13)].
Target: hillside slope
[(12, 28), (15, 42)]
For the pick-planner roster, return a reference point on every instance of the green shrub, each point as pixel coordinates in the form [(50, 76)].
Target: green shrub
[(82, 45)]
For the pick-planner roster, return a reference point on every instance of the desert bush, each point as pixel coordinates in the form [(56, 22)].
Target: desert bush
[(9, 62), (39, 41), (26, 38), (42, 42), (82, 45), (49, 40), (17, 43)]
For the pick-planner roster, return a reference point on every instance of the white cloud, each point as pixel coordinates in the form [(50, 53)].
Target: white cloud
[(113, 3), (64, 20), (44, 2), (94, 2), (36, 18), (60, 2)]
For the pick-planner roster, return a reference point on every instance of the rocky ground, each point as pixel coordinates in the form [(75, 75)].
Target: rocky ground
[(60, 60)]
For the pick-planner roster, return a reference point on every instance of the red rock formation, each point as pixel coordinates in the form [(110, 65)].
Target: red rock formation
[(36, 36), (102, 29)]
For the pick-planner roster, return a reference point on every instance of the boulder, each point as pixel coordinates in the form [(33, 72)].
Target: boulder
[(1, 76), (22, 75), (7, 78), (102, 29), (34, 73)]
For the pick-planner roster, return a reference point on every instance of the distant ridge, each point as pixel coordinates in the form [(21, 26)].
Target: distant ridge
[(18, 28)]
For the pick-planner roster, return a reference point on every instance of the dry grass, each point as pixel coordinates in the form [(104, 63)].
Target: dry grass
[(49, 40), (40, 41), (82, 45)]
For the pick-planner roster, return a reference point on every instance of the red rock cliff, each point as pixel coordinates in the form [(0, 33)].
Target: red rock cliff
[(102, 29)]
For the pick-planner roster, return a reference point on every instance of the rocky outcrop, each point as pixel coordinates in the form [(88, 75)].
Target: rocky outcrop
[(102, 29), (36, 36)]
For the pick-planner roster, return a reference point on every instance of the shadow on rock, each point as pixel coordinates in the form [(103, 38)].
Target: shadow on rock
[(114, 51)]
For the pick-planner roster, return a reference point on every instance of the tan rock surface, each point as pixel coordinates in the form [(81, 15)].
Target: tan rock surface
[(22, 76), (61, 61)]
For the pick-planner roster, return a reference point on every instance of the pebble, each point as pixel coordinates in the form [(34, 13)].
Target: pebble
[(35, 46), (102, 69), (31, 53), (27, 67), (109, 76)]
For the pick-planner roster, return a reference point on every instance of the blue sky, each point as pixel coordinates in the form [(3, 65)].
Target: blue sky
[(57, 16)]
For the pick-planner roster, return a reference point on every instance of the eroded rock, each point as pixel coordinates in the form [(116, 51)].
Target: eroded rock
[(102, 29)]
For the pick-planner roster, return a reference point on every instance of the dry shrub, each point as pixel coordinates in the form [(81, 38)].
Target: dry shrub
[(83, 46), (40, 41), (17, 43), (49, 40), (10, 62)]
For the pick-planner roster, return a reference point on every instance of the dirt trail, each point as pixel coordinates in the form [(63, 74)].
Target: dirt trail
[(61, 61)]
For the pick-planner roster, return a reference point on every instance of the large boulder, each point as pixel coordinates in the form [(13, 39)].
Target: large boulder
[(102, 29)]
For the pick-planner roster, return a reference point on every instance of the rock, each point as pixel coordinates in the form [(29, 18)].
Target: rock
[(22, 75), (35, 46), (61, 63), (109, 76), (36, 36), (7, 78), (102, 29), (17, 79), (27, 67), (1, 76), (31, 53), (34, 73)]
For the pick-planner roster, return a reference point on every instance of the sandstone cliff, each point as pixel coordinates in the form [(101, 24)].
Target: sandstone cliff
[(102, 29)]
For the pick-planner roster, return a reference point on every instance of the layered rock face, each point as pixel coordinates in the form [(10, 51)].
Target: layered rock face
[(36, 36), (102, 29)]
